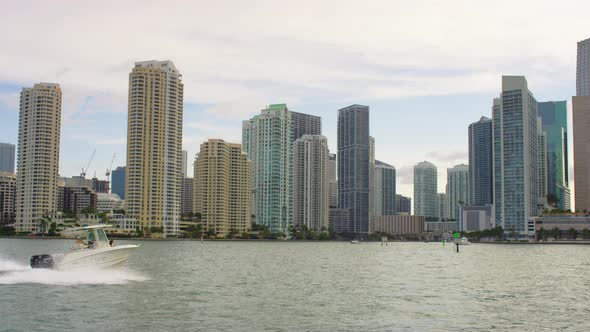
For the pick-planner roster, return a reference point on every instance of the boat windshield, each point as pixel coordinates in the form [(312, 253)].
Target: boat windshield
[(102, 237)]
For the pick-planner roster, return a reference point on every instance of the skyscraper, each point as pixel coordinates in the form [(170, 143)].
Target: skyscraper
[(403, 204), (481, 163), (118, 181), (354, 162), (154, 145), (554, 123), (583, 68), (38, 154), (187, 195), (515, 156), (7, 198), (457, 187), (443, 207), (311, 182), (268, 139), (425, 190), (184, 163), (383, 189), (222, 191), (7, 157), (581, 123), (333, 182), (542, 163)]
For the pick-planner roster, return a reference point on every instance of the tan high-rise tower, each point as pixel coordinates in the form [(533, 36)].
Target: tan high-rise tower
[(38, 154), (223, 187), (153, 183)]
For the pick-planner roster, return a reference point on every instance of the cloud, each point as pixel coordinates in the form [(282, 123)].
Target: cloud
[(448, 157)]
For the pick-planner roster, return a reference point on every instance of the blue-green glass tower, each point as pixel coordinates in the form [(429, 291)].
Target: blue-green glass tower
[(554, 121)]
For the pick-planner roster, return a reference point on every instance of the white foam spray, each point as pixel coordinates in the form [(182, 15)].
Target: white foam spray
[(14, 273)]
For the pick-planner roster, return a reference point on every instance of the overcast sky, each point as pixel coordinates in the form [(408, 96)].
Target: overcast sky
[(427, 69)]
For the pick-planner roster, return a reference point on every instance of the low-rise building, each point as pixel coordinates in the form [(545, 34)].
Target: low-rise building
[(397, 224), (441, 227), (569, 226)]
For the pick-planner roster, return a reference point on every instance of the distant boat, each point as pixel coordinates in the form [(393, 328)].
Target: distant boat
[(462, 241), (355, 241)]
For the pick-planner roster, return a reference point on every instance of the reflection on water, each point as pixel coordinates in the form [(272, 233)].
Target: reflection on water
[(302, 286)]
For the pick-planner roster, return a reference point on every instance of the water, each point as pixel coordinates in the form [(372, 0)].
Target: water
[(302, 286)]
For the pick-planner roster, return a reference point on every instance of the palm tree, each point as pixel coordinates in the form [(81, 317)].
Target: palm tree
[(573, 234)]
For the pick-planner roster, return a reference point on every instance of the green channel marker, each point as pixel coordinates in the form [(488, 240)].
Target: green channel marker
[(456, 235)]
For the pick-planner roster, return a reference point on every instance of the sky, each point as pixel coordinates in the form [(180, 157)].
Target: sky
[(426, 68)]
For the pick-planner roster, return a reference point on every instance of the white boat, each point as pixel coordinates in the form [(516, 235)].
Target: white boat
[(464, 241), (354, 241), (96, 252)]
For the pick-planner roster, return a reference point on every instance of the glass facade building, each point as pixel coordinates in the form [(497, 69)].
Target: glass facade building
[(354, 159), (515, 156), (118, 181), (383, 189), (554, 123), (481, 163)]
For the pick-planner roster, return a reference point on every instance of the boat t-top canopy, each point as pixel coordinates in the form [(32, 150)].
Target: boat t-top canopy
[(88, 227)]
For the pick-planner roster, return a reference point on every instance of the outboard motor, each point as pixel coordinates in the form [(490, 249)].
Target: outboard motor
[(42, 262)]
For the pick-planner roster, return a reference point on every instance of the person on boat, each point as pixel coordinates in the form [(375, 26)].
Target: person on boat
[(79, 244)]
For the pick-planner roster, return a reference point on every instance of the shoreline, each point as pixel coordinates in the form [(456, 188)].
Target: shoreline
[(575, 242)]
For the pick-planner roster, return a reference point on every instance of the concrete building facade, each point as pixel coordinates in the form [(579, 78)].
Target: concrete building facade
[(398, 225), (222, 191), (187, 195), (581, 123), (109, 202), (583, 68), (154, 145), (38, 154), (311, 184)]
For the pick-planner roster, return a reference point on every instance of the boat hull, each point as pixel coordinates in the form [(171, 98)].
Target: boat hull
[(93, 258)]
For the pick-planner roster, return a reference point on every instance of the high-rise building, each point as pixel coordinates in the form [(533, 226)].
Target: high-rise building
[(403, 204), (100, 186), (425, 190), (383, 189), (371, 177), (184, 163), (76, 181), (583, 68), (118, 181), (457, 187), (581, 123), (222, 191), (187, 195), (554, 123), (154, 145), (268, 139), (542, 163), (38, 154), (481, 163), (7, 157), (354, 163), (333, 182), (443, 207), (7, 198), (76, 199), (515, 157), (311, 182)]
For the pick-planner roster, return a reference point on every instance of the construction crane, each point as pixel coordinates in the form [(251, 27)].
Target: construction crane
[(108, 173), (84, 170)]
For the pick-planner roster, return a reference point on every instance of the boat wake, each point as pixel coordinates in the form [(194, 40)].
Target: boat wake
[(12, 273)]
